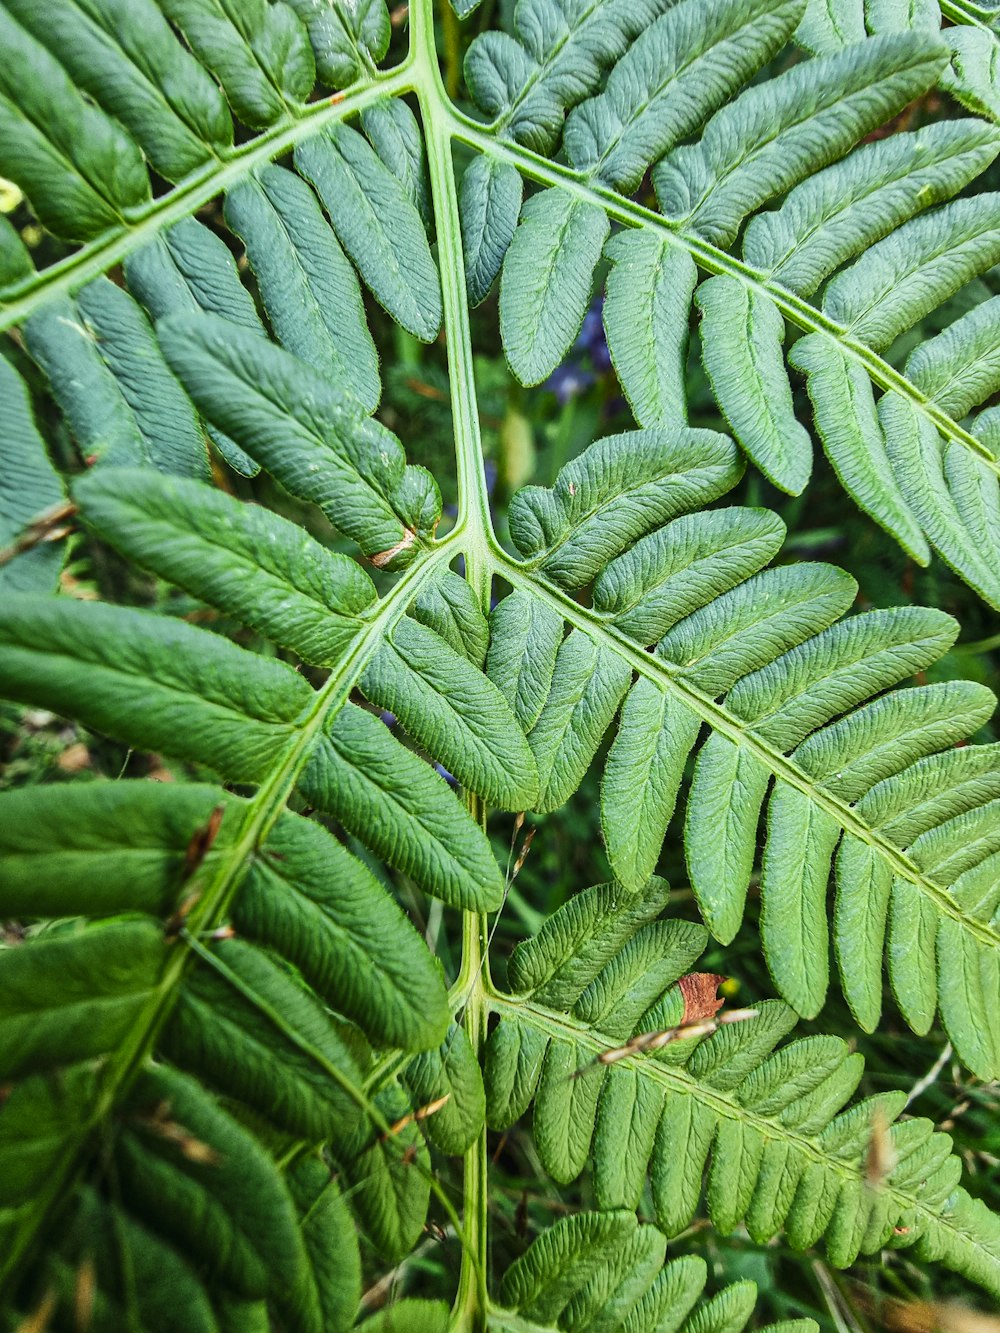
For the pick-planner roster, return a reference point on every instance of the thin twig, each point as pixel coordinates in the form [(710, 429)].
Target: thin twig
[(931, 1076)]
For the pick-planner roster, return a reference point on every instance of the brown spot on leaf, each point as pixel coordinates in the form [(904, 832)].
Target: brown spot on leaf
[(880, 1159), (202, 840), (158, 1121), (700, 999), (421, 1113), (51, 525), (383, 558)]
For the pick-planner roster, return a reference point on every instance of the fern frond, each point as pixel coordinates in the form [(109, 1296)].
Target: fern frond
[(225, 1049), (593, 1033), (229, 1011), (791, 693), (361, 194), (309, 289), (972, 37), (239, 1020), (126, 58), (601, 1271), (792, 135), (526, 83), (108, 375)]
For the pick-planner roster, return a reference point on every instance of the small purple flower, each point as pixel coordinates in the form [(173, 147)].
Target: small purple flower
[(592, 331), (588, 359), (600, 357), (568, 381)]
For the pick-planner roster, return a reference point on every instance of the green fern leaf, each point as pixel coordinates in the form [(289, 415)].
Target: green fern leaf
[(391, 800), (455, 713), (773, 646), (741, 348), (528, 84), (490, 203), (282, 413), (347, 39), (394, 132), (106, 848), (51, 1010), (127, 59), (15, 261), (525, 637), (328, 1235), (103, 848), (231, 1207), (677, 72), (186, 270), (109, 376), (904, 276), (411, 1313), (730, 1097), (360, 193), (449, 608), (548, 275), (179, 937), (343, 932), (836, 214), (769, 138), (258, 567), (646, 305), (848, 424), (451, 1071), (308, 287), (244, 1026), (573, 530), (152, 682), (81, 168), (260, 53), (389, 1176), (160, 1288), (600, 1271), (29, 486)]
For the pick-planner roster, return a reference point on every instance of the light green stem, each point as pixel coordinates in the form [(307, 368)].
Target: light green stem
[(471, 1302)]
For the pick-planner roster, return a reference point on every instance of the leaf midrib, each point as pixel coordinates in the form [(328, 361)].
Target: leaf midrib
[(562, 1027), (728, 725), (97, 256), (714, 260), (411, 76), (262, 811)]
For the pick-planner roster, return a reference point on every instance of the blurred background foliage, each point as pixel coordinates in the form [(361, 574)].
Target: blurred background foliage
[(528, 435)]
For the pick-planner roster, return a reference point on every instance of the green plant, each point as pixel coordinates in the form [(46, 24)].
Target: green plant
[(226, 1047)]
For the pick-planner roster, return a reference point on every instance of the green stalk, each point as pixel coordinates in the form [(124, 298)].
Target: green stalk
[(471, 1301), (144, 224), (452, 48)]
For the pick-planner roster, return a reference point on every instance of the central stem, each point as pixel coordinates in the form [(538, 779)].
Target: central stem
[(471, 1301)]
